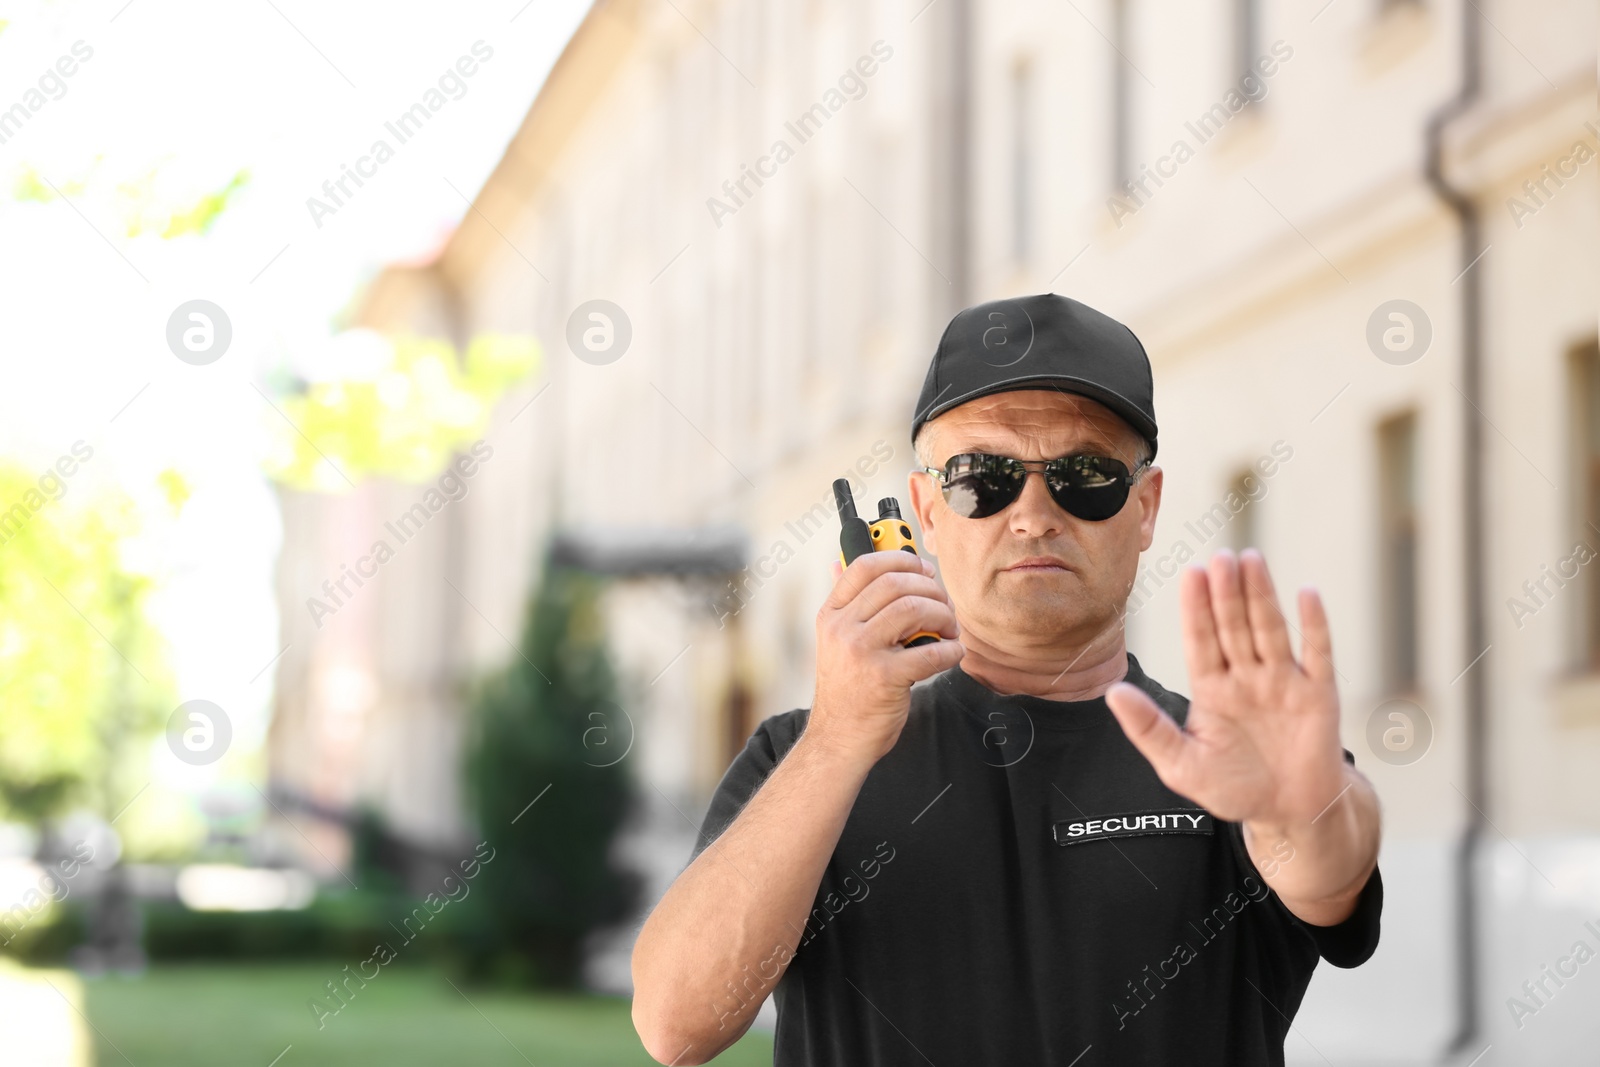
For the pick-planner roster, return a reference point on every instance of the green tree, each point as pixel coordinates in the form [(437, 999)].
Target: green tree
[(83, 672), (548, 728), (138, 200), (405, 421)]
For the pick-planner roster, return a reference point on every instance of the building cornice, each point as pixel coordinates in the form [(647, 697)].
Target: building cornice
[(1491, 147)]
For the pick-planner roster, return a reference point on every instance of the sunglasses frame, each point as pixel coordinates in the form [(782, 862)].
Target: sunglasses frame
[(1042, 467)]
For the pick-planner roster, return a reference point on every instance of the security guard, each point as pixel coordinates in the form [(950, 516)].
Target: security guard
[(1012, 845)]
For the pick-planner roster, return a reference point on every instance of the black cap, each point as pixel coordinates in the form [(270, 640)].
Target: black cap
[(1040, 342)]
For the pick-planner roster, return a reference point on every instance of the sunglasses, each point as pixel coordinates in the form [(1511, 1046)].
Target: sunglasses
[(977, 485)]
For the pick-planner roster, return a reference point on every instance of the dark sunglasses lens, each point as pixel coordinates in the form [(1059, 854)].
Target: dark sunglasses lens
[(1093, 488), (977, 486)]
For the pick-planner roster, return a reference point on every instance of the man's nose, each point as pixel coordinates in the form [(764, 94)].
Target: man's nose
[(1034, 513)]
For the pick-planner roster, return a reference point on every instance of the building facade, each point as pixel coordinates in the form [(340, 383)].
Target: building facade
[(1360, 245)]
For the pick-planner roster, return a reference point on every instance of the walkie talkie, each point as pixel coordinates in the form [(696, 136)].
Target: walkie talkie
[(890, 533)]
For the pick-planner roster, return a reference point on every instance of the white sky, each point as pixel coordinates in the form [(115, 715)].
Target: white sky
[(193, 92)]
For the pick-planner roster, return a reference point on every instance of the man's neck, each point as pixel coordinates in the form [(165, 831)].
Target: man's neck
[(1080, 672)]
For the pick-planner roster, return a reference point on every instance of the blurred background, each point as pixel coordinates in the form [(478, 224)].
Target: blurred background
[(417, 425)]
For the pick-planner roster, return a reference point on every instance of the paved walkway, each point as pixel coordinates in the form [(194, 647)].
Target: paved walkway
[(40, 1024)]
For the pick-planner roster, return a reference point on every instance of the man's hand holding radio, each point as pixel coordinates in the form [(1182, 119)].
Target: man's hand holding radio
[(746, 897), (864, 675)]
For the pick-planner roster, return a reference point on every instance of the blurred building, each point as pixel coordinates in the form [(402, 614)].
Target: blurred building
[(1359, 240)]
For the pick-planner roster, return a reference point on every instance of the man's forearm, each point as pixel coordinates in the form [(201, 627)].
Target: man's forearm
[(1319, 868), (718, 941)]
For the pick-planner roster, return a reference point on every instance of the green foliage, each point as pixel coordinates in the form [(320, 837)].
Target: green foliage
[(343, 925), (373, 853), (47, 938), (337, 925), (198, 217), (30, 187), (403, 422), (83, 674), (550, 719), (140, 202)]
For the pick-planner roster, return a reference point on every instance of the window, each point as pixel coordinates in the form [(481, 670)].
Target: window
[(1021, 162), (1397, 552), (811, 285), (1121, 98), (1244, 490), (738, 713), (1246, 37), (1586, 498)]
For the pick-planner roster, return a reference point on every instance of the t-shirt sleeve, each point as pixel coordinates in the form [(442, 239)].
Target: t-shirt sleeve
[(762, 752), (1352, 942), (1345, 944)]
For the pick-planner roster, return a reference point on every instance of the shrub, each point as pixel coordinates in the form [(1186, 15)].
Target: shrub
[(548, 726)]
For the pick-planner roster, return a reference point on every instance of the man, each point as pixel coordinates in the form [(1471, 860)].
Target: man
[(1012, 845)]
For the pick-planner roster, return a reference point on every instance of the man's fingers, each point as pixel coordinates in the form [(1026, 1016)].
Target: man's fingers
[(1200, 647), (1268, 627), (1152, 731), (1227, 607), (849, 581), (911, 615), (1316, 641), (888, 589), (934, 658)]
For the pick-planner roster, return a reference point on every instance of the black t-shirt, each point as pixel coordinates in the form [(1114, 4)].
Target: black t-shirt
[(1015, 885)]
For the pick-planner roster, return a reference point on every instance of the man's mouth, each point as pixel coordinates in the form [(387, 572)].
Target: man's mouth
[(1039, 565)]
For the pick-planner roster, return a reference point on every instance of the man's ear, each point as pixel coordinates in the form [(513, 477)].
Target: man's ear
[(1149, 493), (924, 494)]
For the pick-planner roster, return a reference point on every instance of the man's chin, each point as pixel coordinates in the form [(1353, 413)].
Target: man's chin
[(1040, 605)]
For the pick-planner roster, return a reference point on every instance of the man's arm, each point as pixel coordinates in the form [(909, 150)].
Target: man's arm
[(739, 909), (1318, 869), (1261, 742)]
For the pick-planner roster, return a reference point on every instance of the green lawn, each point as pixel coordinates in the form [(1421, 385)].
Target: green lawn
[(201, 1016)]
